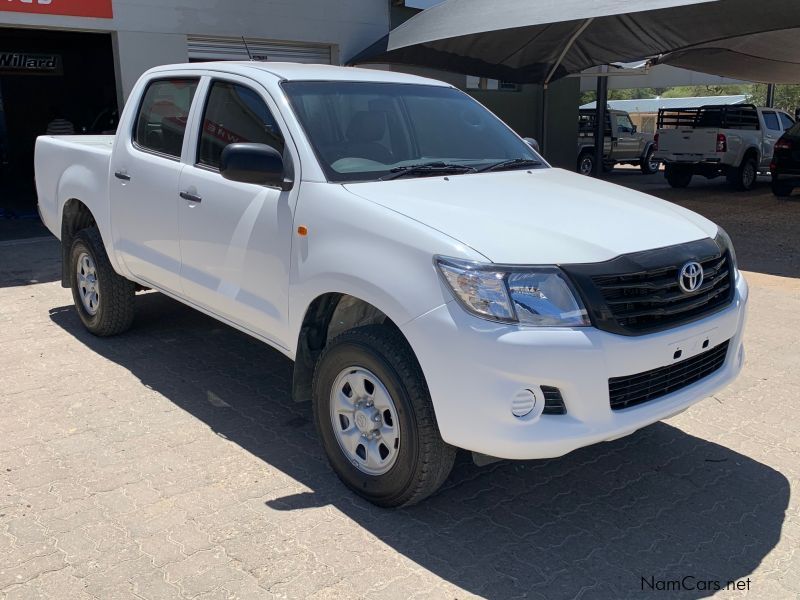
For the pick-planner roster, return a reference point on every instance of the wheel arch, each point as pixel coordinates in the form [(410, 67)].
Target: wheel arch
[(75, 216), (751, 151), (327, 316), (647, 147)]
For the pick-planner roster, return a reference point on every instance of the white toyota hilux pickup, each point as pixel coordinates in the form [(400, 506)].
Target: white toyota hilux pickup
[(437, 284)]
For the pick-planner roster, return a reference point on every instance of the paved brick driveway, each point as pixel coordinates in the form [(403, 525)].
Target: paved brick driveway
[(170, 463)]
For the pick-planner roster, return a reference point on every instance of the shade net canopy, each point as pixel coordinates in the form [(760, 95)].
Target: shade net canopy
[(772, 57), (536, 41)]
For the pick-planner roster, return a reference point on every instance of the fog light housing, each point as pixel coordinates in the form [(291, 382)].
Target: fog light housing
[(525, 403)]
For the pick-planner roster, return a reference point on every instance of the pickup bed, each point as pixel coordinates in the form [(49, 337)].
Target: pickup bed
[(436, 283), (736, 141)]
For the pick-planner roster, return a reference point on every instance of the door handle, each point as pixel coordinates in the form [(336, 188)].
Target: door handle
[(122, 176), (191, 197)]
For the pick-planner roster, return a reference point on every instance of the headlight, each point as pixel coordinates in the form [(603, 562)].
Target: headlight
[(724, 241), (539, 296)]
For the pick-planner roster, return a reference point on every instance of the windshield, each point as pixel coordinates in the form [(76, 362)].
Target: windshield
[(368, 131)]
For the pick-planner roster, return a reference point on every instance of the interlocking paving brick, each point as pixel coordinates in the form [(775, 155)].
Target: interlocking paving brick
[(176, 473)]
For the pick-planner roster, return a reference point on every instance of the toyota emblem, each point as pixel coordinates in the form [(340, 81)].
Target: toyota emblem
[(691, 277)]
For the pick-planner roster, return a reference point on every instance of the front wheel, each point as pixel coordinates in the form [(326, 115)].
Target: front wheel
[(374, 416), (586, 164), (104, 300)]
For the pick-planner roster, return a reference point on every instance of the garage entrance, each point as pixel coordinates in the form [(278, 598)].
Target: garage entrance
[(48, 75)]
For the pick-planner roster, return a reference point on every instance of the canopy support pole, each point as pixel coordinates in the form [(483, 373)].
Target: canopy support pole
[(771, 95), (543, 137), (600, 123)]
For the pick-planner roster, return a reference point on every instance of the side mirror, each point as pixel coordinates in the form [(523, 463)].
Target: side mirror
[(255, 163), (532, 143), (635, 129)]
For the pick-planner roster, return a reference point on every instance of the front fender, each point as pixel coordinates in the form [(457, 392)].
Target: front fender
[(361, 249)]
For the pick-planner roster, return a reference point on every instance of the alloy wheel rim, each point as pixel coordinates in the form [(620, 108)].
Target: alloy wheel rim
[(365, 421), (88, 285), (587, 166)]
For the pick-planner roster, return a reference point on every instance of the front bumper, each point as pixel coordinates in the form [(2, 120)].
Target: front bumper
[(474, 368)]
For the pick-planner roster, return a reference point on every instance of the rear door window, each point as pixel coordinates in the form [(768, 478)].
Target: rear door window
[(163, 114), (235, 114), (771, 121)]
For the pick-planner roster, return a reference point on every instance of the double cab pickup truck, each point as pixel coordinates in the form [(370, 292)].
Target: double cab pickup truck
[(735, 141), (436, 283), (623, 143)]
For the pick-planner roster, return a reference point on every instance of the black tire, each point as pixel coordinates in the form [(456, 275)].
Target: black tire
[(744, 177), (423, 460), (646, 166), (586, 163), (678, 177), (781, 188), (115, 309)]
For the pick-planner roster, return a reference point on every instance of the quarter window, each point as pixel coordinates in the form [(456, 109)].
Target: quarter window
[(161, 123), (235, 114), (786, 120)]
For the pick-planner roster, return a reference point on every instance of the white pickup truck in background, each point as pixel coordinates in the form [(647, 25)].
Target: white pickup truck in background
[(736, 141), (436, 283)]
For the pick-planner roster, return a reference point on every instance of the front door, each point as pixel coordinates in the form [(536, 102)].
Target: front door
[(145, 174), (235, 238), (627, 145)]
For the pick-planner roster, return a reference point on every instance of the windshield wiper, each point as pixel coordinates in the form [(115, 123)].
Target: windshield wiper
[(431, 168), (511, 164)]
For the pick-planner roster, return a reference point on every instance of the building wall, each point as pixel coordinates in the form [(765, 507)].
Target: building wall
[(148, 33)]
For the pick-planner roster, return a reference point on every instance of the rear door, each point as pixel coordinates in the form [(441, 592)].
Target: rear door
[(146, 167), (773, 130), (235, 238)]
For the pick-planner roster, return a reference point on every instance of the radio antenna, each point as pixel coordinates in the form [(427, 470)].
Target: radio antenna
[(247, 48)]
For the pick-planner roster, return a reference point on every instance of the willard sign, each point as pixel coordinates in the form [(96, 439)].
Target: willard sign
[(74, 8), (21, 62)]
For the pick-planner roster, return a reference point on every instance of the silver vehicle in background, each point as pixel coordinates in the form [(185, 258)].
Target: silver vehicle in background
[(736, 141)]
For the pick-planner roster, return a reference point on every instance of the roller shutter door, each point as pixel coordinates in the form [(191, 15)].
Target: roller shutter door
[(204, 48)]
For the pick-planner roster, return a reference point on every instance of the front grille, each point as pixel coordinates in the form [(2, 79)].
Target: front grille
[(640, 293), (653, 298), (553, 402), (631, 390)]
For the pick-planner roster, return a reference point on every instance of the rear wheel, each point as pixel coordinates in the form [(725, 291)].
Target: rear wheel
[(781, 188), (375, 419), (649, 165), (678, 177), (744, 177), (104, 300)]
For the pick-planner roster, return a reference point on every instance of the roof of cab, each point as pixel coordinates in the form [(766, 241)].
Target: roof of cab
[(303, 72)]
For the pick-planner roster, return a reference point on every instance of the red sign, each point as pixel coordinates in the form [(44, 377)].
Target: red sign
[(75, 8)]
